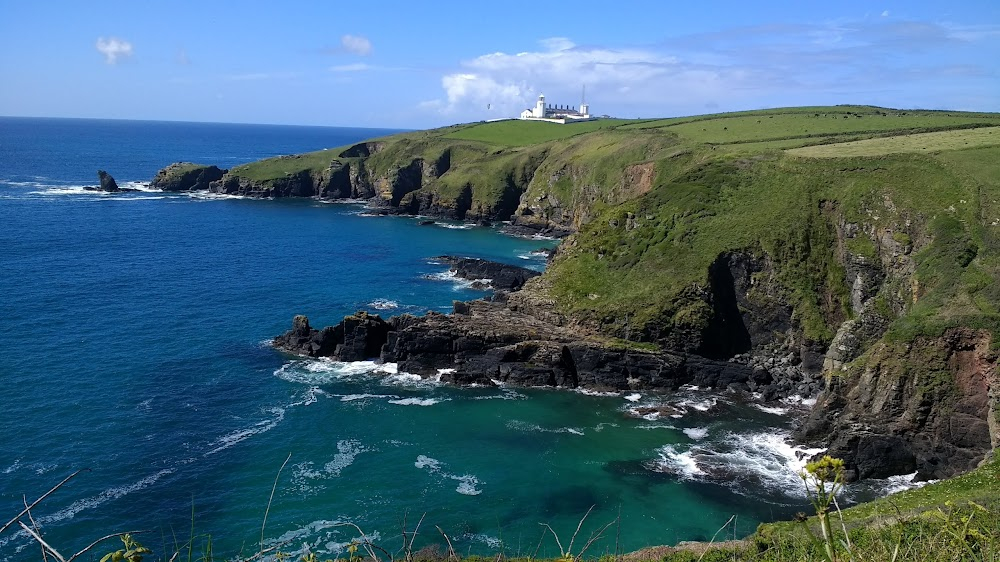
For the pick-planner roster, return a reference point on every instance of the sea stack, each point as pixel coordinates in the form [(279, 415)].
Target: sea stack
[(108, 183)]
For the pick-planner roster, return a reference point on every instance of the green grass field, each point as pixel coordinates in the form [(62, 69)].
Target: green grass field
[(515, 132), (919, 142)]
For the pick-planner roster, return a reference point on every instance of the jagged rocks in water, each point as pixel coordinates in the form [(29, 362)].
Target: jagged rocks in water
[(356, 338), (186, 176), (501, 276), (108, 183), (486, 343)]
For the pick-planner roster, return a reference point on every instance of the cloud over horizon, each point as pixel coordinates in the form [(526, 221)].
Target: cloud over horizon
[(739, 68), (113, 49)]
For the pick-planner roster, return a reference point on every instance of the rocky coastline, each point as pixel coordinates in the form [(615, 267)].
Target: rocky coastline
[(882, 427), (502, 341)]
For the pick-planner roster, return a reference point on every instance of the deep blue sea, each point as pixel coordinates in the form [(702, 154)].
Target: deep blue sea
[(134, 334)]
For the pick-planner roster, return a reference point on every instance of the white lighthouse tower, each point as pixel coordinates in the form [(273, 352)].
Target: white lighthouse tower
[(584, 108), (539, 111)]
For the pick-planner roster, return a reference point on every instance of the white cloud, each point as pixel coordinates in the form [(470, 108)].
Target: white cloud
[(113, 49), (356, 44), (354, 67), (885, 13), (510, 82), (739, 68), (254, 76)]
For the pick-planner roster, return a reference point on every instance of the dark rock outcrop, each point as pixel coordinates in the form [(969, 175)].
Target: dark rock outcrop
[(186, 176), (108, 183), (499, 276), (928, 407), (356, 338), (488, 343)]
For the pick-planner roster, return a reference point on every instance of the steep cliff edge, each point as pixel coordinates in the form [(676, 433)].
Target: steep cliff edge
[(927, 406)]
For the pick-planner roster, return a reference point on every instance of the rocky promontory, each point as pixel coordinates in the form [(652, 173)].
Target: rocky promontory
[(498, 276), (186, 176), (488, 343)]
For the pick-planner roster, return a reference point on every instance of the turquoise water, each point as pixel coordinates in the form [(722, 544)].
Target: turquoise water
[(133, 342)]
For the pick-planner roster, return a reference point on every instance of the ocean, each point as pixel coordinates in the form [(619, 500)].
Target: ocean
[(134, 343)]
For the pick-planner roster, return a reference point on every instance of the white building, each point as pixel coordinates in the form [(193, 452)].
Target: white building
[(557, 113)]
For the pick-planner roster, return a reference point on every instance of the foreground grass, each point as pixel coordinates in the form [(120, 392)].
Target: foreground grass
[(956, 519)]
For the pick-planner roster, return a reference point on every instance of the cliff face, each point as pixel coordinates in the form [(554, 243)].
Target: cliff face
[(550, 187), (928, 406)]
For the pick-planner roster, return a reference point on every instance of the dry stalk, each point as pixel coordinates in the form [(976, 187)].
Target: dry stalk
[(42, 497), (42, 542), (269, 500), (451, 550)]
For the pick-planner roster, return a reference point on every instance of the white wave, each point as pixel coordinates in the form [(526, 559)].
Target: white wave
[(796, 400), (320, 537), (493, 543), (138, 198), (366, 396), (417, 401), (13, 467), (655, 426), (526, 256), (466, 482), (467, 485), (590, 392), (105, 496), (227, 441), (700, 405), (348, 450), (312, 395), (696, 433), (767, 459), (505, 394), (383, 304), (44, 468), (345, 201), (633, 397), (465, 226), (390, 368), (602, 425), (209, 196), (681, 463), (776, 410), (69, 190), (424, 461), (517, 425), (899, 483), (322, 371), (690, 387), (459, 284), (409, 380)]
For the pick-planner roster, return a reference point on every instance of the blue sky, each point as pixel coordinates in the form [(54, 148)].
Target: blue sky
[(423, 64)]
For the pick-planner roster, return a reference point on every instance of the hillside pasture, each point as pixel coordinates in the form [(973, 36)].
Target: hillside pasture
[(515, 132), (919, 143)]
